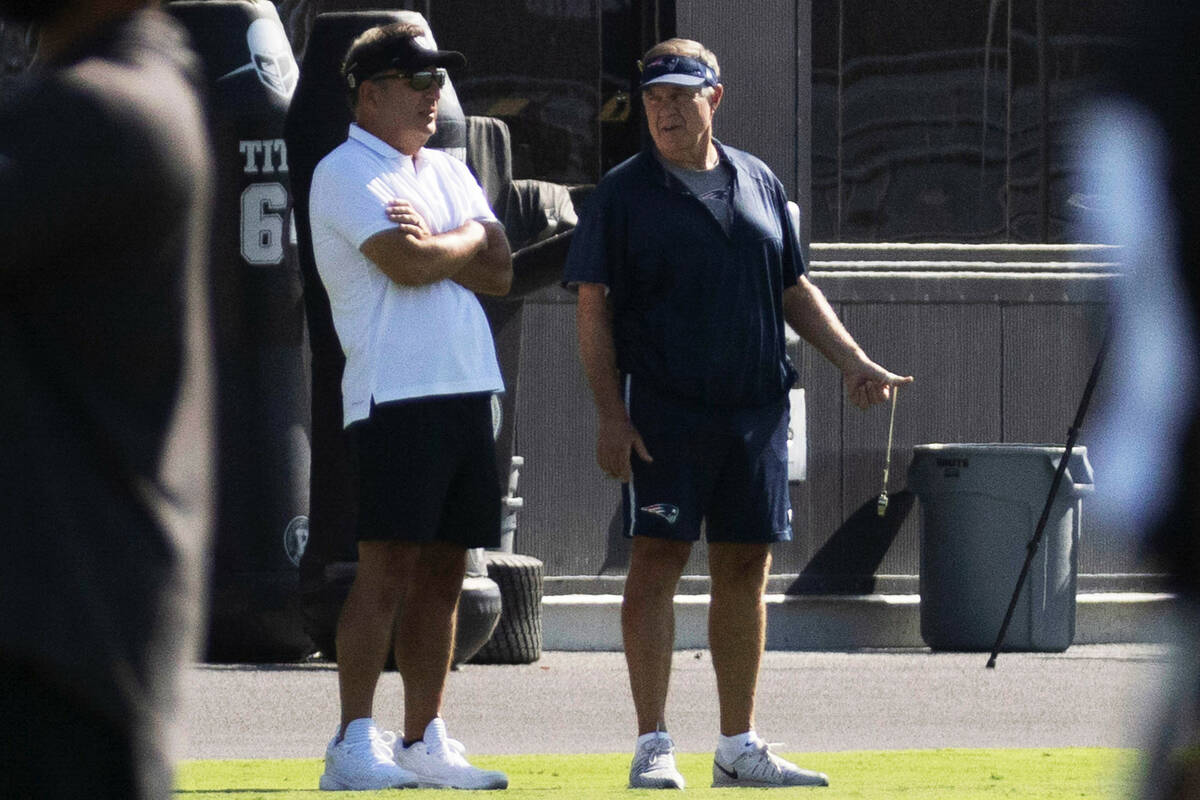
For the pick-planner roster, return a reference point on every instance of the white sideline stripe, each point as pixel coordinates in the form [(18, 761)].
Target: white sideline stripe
[(882, 599), (1081, 247), (584, 622), (600, 600), (1124, 597)]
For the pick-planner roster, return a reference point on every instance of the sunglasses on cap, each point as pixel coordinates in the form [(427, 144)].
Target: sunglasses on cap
[(419, 81)]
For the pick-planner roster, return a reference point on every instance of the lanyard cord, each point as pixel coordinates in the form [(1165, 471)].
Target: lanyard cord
[(882, 504)]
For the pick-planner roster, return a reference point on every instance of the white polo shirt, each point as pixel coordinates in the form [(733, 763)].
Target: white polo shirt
[(400, 341)]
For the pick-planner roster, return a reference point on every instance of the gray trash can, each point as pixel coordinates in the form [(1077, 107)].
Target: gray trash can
[(980, 505)]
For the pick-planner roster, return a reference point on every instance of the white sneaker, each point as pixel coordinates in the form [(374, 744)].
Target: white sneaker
[(654, 764), (438, 763), (756, 765), (362, 760)]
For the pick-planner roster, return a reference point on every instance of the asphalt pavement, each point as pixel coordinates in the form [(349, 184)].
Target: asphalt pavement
[(576, 702)]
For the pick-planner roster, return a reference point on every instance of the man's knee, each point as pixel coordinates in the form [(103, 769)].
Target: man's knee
[(655, 566), (738, 567), (664, 556)]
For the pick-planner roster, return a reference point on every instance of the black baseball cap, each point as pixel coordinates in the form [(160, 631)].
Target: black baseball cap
[(405, 54)]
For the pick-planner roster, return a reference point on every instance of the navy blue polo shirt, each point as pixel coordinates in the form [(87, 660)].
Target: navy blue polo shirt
[(697, 311)]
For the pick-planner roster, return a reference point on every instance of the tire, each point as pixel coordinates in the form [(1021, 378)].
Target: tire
[(479, 611), (518, 635), (479, 608)]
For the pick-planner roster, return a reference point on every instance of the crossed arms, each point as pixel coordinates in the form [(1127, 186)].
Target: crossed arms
[(474, 255)]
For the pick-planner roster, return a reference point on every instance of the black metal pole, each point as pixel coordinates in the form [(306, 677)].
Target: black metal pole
[(1039, 531)]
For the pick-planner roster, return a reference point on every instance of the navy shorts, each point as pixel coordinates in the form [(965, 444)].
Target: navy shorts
[(726, 468), (427, 472)]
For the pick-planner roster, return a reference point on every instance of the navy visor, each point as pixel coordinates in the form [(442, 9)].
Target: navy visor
[(679, 70)]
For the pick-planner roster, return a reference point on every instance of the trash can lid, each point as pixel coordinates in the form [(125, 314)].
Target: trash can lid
[(1014, 447), (1079, 469)]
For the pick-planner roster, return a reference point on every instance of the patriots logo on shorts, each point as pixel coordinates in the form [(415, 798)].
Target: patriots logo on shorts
[(668, 512)]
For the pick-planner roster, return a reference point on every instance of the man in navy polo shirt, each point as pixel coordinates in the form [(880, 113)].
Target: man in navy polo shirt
[(688, 265)]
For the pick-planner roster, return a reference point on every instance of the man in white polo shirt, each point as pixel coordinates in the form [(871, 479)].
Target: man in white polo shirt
[(403, 239)]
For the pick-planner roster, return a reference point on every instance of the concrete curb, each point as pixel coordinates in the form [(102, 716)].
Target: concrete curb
[(592, 622)]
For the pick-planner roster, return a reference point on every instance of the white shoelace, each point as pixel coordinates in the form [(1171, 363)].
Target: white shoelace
[(761, 762), (450, 750)]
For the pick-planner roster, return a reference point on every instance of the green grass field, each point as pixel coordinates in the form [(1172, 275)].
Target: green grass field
[(1052, 774)]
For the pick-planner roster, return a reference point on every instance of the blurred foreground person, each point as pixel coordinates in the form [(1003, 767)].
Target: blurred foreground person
[(105, 195), (1141, 150)]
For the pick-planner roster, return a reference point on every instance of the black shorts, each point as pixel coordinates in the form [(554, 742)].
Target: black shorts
[(726, 468), (427, 472)]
